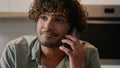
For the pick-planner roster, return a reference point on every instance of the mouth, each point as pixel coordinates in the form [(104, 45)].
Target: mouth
[(48, 34)]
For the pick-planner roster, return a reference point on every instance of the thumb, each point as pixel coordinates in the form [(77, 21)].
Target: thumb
[(66, 50)]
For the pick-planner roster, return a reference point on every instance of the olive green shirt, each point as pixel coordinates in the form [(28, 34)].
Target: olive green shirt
[(24, 52)]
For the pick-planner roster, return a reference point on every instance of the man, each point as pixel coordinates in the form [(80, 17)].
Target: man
[(56, 44)]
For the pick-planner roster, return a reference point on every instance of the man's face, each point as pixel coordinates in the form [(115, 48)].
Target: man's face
[(51, 29)]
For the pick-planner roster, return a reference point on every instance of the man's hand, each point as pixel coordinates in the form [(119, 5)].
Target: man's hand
[(76, 55)]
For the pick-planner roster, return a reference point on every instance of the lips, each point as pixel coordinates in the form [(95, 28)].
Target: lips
[(48, 33)]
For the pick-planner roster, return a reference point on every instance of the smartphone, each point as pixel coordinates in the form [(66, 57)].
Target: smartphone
[(65, 44)]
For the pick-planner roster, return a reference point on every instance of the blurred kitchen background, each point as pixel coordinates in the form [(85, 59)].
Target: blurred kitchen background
[(103, 26)]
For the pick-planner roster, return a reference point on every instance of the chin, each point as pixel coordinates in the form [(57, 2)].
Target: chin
[(49, 44), (53, 42)]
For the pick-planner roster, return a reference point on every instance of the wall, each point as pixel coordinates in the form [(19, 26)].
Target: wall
[(14, 5), (103, 2)]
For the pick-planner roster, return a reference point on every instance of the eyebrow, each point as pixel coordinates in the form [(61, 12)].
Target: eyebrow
[(60, 15), (56, 14)]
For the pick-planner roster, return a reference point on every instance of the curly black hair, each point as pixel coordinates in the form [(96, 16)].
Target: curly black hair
[(72, 10)]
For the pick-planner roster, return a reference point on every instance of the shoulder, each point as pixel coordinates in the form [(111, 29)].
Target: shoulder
[(91, 55), (88, 45), (90, 49), (27, 39), (16, 49), (23, 41), (21, 44)]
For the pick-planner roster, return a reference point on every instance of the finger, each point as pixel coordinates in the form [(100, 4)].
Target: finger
[(70, 43), (75, 40), (66, 50), (71, 37)]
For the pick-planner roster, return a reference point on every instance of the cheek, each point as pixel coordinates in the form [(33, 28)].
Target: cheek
[(38, 26), (63, 30)]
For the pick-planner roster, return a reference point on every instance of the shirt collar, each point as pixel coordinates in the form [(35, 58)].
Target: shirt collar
[(35, 50)]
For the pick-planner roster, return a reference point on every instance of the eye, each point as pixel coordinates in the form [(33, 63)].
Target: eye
[(59, 20), (44, 18)]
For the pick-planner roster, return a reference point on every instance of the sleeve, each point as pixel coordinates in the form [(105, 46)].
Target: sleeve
[(7, 59), (94, 59)]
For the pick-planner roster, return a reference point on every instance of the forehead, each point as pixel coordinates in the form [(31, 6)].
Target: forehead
[(57, 14)]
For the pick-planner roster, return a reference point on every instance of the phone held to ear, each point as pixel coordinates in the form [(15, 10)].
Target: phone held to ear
[(65, 44)]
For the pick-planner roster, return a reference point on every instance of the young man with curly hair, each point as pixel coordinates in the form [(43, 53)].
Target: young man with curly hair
[(57, 44)]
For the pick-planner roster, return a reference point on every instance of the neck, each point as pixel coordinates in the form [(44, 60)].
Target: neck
[(54, 55)]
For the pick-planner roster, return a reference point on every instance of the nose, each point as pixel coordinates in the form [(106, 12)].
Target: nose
[(49, 24)]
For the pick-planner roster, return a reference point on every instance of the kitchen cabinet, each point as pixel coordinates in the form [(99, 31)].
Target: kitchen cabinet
[(20, 5), (14, 8), (101, 2), (13, 14), (4, 6)]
